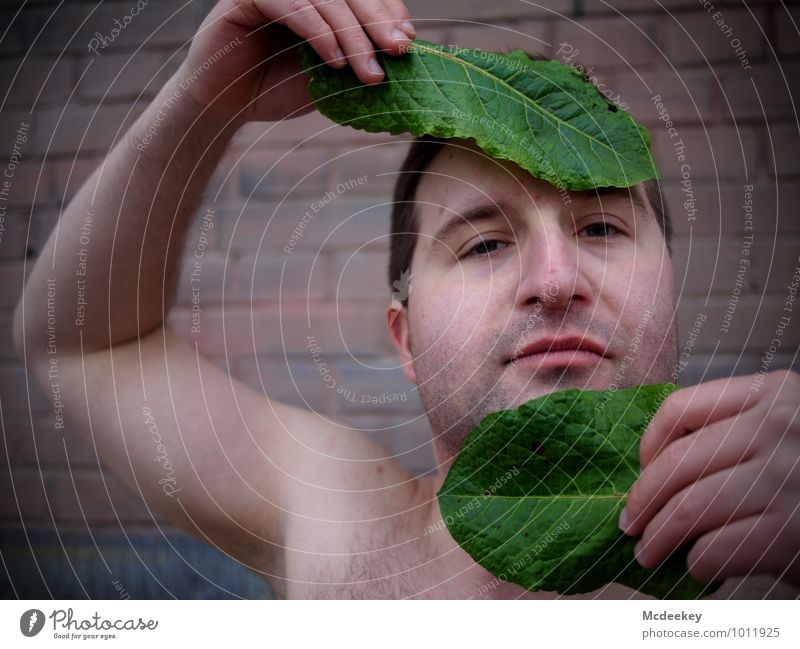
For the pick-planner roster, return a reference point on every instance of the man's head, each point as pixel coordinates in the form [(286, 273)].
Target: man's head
[(591, 265)]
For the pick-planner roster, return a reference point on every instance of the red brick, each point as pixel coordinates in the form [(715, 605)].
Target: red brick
[(14, 40), (7, 351), (786, 20), (223, 185), (361, 274), (752, 326), (21, 491), (16, 385), (785, 143), (157, 26), (701, 368), (720, 210), (770, 265), (69, 176), (623, 6), (779, 259), (37, 80), (31, 185), (73, 25), (376, 164), (449, 10), (788, 195), (264, 277), (707, 42), (284, 174), (13, 237), (528, 35), (115, 76), (16, 127), (42, 224), (312, 130), (299, 383), (11, 281), (80, 129), (208, 279), (713, 152), (268, 228), (686, 94), (266, 330), (607, 42), (379, 380), (765, 90), (353, 223), (53, 29)]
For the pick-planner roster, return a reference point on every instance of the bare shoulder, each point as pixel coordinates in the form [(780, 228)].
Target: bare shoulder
[(224, 462)]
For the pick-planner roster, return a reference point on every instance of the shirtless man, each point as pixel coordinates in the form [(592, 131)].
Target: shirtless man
[(320, 510)]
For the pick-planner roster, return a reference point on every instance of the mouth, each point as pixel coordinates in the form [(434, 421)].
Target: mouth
[(572, 351)]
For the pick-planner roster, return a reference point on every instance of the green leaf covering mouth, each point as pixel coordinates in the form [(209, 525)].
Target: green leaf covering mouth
[(535, 494), (542, 115)]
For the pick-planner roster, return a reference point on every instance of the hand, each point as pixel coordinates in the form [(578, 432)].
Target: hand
[(242, 62), (721, 464)]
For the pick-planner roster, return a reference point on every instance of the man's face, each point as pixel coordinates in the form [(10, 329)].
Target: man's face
[(547, 265)]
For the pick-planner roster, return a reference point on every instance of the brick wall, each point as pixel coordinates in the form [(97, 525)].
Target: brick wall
[(733, 109)]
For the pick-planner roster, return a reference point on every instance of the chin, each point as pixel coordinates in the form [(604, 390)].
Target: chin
[(553, 380)]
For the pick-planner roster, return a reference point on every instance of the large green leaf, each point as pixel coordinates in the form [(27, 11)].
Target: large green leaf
[(543, 115), (535, 494)]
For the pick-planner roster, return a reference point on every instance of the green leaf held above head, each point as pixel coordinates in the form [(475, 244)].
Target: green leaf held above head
[(535, 494), (542, 115)]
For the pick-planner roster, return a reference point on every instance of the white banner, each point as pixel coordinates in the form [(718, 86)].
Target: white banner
[(401, 624)]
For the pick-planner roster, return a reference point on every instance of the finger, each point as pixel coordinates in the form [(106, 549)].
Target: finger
[(357, 46), (398, 9), (703, 506), (304, 20), (688, 409), (758, 544), (384, 28), (686, 460)]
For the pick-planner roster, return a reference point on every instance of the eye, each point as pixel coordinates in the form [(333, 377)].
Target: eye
[(600, 229), (480, 249)]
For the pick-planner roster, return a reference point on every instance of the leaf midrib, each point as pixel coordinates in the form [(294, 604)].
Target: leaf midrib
[(536, 107), (614, 496)]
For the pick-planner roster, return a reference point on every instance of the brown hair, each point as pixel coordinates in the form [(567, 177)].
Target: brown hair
[(405, 221)]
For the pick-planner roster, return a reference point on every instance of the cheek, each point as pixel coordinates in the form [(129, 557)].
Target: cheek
[(447, 322)]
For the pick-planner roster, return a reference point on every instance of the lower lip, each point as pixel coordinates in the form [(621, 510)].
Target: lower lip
[(562, 358)]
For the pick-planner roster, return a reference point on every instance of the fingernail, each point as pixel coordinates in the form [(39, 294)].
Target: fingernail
[(339, 53), (623, 519), (637, 551), (375, 67), (408, 27), (399, 35)]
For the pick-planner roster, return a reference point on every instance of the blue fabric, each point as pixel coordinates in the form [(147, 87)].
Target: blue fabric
[(141, 566)]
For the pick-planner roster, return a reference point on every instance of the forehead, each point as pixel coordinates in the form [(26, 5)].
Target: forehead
[(462, 177)]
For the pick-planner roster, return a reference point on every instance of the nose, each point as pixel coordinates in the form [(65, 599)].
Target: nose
[(550, 268)]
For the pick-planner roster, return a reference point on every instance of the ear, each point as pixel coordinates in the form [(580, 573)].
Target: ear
[(397, 321)]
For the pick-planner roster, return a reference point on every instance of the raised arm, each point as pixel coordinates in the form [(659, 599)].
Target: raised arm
[(201, 448)]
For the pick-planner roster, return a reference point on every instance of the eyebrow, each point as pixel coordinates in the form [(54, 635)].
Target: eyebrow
[(634, 194), (490, 211), (472, 215)]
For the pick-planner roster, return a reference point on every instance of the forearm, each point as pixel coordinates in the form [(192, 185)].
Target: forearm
[(109, 268)]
